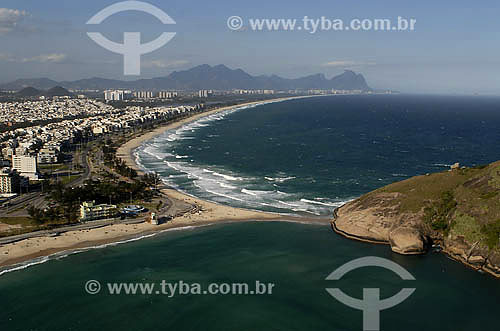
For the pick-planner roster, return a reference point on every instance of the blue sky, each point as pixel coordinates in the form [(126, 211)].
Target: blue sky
[(454, 48)]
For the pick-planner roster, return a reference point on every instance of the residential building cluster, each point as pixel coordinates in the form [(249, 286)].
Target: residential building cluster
[(254, 91), (120, 95), (23, 149), (205, 93), (29, 111), (333, 91)]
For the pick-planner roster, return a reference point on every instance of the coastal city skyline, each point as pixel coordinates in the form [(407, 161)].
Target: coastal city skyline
[(450, 41), (249, 165)]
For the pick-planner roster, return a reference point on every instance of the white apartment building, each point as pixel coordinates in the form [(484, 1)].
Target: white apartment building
[(143, 94), (114, 95), (90, 211), (205, 93), (167, 95), (26, 166), (47, 156)]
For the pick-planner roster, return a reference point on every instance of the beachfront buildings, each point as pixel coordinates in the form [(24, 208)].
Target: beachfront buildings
[(254, 91), (66, 123), (26, 166), (90, 211)]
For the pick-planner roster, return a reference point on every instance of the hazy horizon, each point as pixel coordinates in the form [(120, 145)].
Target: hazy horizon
[(450, 51)]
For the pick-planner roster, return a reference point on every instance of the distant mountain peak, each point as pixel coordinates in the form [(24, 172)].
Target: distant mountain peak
[(204, 76), (58, 91), (29, 92)]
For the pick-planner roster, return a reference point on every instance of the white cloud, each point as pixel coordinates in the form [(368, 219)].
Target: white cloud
[(42, 58), (10, 18), (164, 65), (347, 63), (46, 58)]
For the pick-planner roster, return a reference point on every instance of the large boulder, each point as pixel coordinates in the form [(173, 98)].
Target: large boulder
[(368, 219), (407, 241)]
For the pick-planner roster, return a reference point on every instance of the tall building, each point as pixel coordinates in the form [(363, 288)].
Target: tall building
[(143, 94), (9, 181), (113, 95), (26, 166), (167, 95), (205, 93)]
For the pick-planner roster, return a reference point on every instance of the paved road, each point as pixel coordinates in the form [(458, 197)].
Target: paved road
[(171, 208), (18, 203), (87, 173), (18, 206)]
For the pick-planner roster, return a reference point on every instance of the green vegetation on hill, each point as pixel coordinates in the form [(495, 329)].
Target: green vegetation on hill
[(463, 203), (438, 214)]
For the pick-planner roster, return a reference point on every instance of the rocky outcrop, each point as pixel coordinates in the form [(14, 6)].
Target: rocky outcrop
[(457, 210), (474, 255), (377, 220), (407, 241)]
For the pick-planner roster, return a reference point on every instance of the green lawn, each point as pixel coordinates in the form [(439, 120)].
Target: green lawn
[(54, 167), (23, 221), (66, 179)]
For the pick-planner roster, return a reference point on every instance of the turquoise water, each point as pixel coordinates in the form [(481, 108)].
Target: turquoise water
[(308, 156), (297, 157), (296, 257)]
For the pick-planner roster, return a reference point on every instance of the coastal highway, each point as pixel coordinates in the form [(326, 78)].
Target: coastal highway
[(171, 209)]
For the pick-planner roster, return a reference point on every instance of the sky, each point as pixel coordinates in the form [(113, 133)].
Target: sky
[(453, 49)]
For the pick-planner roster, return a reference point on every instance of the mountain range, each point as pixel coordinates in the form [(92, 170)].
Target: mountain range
[(52, 92), (204, 76)]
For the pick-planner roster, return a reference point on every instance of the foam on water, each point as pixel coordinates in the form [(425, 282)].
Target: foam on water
[(219, 184)]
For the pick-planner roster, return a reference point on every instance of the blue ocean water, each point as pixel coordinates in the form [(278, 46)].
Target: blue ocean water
[(295, 257), (302, 156), (311, 155)]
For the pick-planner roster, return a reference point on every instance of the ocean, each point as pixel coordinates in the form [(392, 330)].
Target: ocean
[(308, 156), (300, 157), (295, 257)]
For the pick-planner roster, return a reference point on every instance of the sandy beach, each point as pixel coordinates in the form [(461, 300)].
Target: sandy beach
[(206, 213), (125, 151)]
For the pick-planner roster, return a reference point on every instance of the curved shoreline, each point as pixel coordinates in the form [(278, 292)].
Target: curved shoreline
[(28, 250), (125, 151), (54, 254)]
